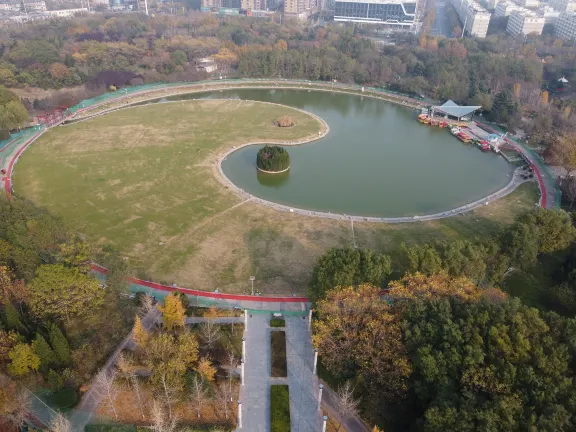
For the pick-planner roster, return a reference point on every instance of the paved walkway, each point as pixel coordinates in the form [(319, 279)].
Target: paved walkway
[(255, 394), (304, 414), (217, 320)]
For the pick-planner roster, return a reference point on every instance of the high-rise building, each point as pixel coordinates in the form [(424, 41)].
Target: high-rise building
[(565, 26), (394, 13), (505, 8), (563, 5), (209, 4), (524, 22), (474, 18), (298, 8)]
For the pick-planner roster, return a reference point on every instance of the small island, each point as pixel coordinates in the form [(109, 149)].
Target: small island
[(273, 159)]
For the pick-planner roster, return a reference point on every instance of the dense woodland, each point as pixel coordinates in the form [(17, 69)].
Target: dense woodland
[(429, 343), (499, 73)]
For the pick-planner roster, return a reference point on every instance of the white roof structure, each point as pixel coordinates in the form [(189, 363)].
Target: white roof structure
[(453, 109)]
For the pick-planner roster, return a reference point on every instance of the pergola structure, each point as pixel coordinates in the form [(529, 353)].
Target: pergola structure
[(451, 110)]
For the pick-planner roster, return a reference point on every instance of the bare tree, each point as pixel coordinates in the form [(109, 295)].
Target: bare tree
[(126, 369), (224, 398), (146, 304), (347, 405), (161, 423), (169, 393), (198, 393), (210, 333), (19, 408), (105, 389), (60, 424), (231, 365)]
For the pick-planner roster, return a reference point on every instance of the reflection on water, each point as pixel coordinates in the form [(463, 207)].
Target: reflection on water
[(272, 180)]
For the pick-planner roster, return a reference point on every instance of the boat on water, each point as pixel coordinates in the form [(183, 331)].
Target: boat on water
[(484, 145), (464, 137), (455, 130)]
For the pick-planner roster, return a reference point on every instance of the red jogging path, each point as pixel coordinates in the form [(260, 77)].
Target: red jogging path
[(206, 294)]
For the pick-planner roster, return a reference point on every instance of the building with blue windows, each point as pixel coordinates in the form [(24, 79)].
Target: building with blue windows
[(396, 13)]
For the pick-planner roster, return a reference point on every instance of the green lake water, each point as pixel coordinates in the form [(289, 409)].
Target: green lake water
[(377, 160)]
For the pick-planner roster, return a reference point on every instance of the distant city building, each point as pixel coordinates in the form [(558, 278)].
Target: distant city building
[(10, 6), (116, 3), (209, 4), (563, 5), (299, 8), (524, 22), (528, 4), (38, 6), (549, 14), (393, 13), (490, 4), (505, 8), (474, 18), (65, 13), (565, 27)]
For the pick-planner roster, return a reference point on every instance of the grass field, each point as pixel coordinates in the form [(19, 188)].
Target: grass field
[(143, 181)]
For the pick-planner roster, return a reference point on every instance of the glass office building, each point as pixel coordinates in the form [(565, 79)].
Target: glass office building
[(394, 12)]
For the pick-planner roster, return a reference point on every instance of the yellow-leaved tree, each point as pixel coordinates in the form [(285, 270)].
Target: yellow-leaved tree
[(139, 334), (206, 369), (173, 313)]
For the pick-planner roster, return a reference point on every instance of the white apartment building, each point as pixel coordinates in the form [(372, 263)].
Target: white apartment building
[(474, 18), (66, 13), (505, 8), (39, 6), (490, 4), (524, 22), (565, 27), (12, 6), (528, 4)]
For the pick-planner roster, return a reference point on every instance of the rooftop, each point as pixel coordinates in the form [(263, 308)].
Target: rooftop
[(452, 108)]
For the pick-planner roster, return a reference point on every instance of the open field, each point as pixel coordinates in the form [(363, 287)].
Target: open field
[(144, 181)]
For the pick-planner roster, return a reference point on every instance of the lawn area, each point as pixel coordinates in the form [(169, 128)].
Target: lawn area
[(279, 367), (143, 181), (279, 408)]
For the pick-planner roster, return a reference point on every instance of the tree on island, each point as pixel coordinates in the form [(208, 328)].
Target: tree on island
[(273, 158)]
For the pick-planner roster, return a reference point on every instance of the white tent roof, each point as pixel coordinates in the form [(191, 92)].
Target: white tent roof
[(452, 108)]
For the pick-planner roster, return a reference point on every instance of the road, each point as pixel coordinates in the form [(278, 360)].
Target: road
[(441, 25)]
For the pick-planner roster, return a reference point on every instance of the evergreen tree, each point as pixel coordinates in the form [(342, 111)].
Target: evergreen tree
[(13, 318), (55, 380), (44, 351), (60, 345)]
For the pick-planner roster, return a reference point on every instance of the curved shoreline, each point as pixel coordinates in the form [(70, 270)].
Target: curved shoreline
[(272, 172), (194, 88)]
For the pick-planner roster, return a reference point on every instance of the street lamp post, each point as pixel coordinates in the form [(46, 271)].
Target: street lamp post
[(252, 278), (240, 416), (320, 387), (324, 420), (315, 360)]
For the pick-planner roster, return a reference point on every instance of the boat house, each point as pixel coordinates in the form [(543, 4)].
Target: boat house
[(452, 111)]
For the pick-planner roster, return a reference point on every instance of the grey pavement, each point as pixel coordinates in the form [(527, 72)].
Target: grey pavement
[(216, 320), (255, 394), (304, 414)]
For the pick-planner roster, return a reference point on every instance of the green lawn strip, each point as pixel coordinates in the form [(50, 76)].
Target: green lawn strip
[(279, 408), (279, 365), (277, 322)]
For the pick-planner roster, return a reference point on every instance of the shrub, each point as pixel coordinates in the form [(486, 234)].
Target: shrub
[(273, 158), (65, 398), (285, 121)]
